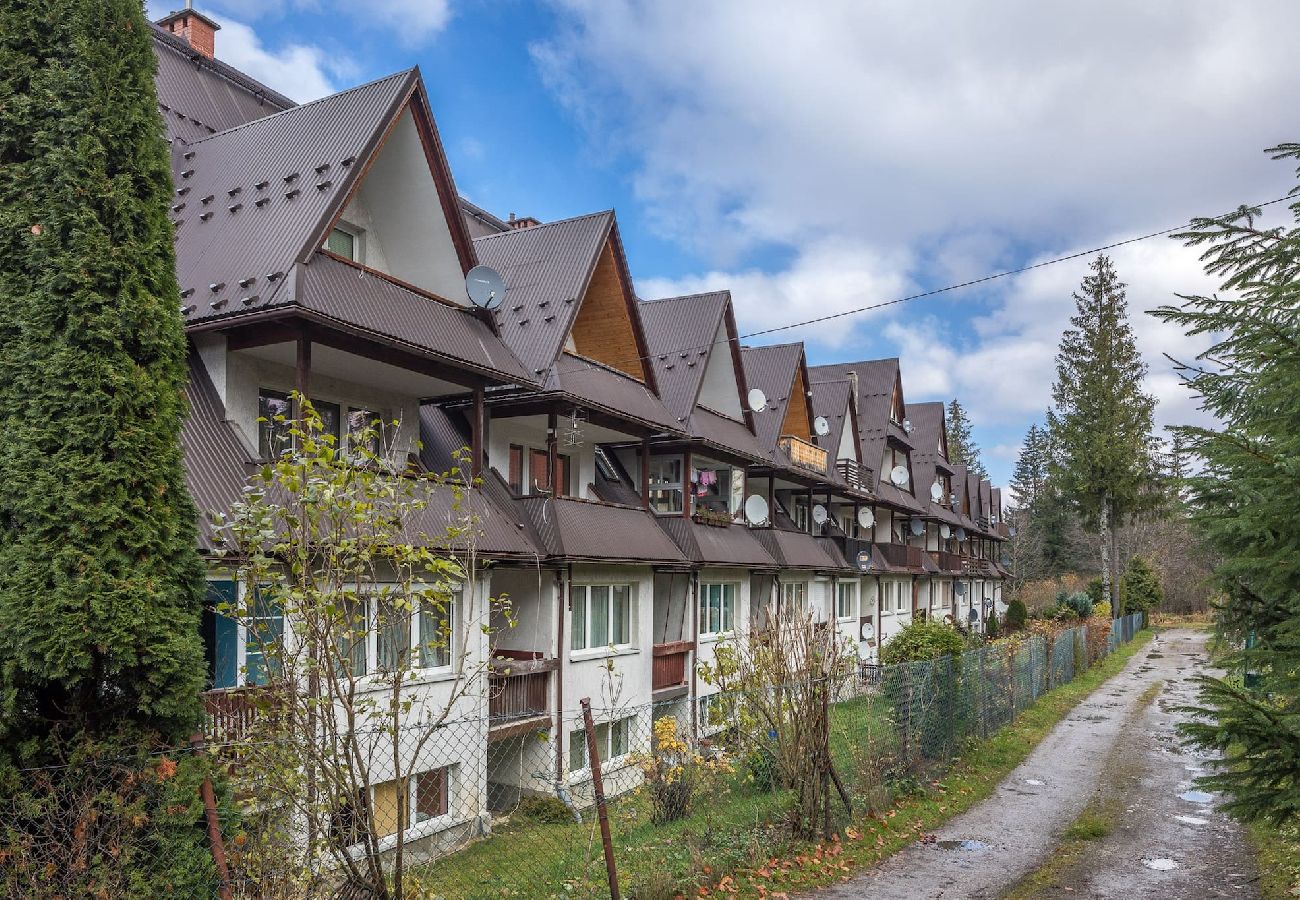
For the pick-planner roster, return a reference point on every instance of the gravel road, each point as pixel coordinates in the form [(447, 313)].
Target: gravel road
[(1117, 747)]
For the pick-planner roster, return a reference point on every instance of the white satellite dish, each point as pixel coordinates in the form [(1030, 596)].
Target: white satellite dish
[(917, 526), (961, 533), (819, 514), (936, 492), (485, 286), (945, 532), (868, 631), (952, 498), (866, 518), (755, 509), (898, 475), (757, 400), (821, 426), (907, 426)]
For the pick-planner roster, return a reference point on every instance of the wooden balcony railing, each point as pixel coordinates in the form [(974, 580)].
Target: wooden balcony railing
[(803, 454), (951, 562), (901, 555), (855, 474), (518, 689), (670, 665), (229, 713)]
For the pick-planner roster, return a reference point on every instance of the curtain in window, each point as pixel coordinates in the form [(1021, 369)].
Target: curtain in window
[(394, 629), (599, 615), (578, 617), (622, 614), (435, 633)]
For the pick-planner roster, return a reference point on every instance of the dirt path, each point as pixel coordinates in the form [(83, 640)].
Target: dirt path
[(1160, 844)]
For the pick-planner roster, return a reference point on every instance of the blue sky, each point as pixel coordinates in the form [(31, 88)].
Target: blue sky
[(815, 158)]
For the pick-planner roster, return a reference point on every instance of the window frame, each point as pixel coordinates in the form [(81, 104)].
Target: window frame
[(666, 487), (840, 615), (582, 614), (606, 733), (358, 254), (802, 595), (726, 608)]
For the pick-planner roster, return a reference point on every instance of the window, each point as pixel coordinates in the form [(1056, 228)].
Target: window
[(715, 487), (388, 637), (717, 608), (364, 427), (352, 656), (846, 595), (330, 419), (344, 244), (539, 476), (516, 469), (794, 596), (799, 512), (265, 627), (666, 484), (716, 710), (613, 740), (429, 795), (435, 635), (273, 412), (601, 615), (426, 798)]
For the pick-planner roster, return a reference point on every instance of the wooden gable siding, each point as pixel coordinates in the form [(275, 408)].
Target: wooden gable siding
[(796, 411), (603, 330)]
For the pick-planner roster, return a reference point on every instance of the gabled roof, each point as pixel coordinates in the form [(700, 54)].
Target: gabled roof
[(830, 400), (602, 388), (772, 369), (680, 332), (927, 431), (546, 269), (199, 96)]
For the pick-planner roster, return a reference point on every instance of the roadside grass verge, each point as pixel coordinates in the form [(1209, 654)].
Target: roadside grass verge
[(734, 843), (1277, 850)]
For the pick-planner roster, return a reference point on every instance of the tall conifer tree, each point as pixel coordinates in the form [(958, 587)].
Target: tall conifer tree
[(1243, 498), (1030, 476), (1102, 421), (100, 599), (962, 450)]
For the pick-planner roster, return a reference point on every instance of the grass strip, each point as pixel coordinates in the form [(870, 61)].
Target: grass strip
[(1277, 850)]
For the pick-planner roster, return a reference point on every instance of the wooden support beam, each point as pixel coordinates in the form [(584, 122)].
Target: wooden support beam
[(478, 439)]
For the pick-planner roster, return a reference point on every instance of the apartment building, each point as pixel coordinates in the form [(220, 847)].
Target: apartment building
[(649, 486)]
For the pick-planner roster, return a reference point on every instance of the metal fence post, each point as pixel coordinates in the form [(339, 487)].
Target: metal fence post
[(593, 756)]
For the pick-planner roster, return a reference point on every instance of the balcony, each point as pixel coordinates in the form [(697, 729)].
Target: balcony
[(950, 562), (518, 692), (853, 548), (230, 713), (670, 669), (803, 454), (901, 555), (855, 474)]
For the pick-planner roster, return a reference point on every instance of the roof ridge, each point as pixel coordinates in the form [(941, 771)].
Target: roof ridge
[(302, 106), (695, 296), (570, 219)]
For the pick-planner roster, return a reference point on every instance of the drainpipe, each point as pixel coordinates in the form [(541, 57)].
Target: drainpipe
[(562, 598), (693, 699)]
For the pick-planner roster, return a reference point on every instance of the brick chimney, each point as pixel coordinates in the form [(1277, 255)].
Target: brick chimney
[(197, 29), (522, 221)]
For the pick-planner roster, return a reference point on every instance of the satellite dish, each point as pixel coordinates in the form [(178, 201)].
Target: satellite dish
[(866, 518), (972, 615), (898, 475), (961, 533), (819, 514), (936, 492), (907, 426), (485, 287), (945, 532), (953, 499), (821, 426), (868, 631), (757, 400), (755, 509), (917, 526), (959, 587)]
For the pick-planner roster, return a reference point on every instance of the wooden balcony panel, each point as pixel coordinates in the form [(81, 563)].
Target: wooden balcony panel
[(855, 474), (803, 454), (229, 713), (669, 665)]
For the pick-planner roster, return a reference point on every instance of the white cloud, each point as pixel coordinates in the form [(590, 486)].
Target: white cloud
[(882, 146), (299, 71)]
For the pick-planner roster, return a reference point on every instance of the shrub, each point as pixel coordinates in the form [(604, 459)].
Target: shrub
[(543, 808), (760, 766), (1096, 591), (922, 640), (1139, 587), (673, 770), (1016, 615), (1078, 602), (991, 627), (1101, 609)]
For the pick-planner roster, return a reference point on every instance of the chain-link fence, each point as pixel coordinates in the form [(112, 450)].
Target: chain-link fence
[(508, 805)]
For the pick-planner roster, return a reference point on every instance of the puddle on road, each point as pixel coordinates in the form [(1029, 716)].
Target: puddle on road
[(1196, 797), (1034, 781), (1191, 820), (1160, 865), (967, 845)]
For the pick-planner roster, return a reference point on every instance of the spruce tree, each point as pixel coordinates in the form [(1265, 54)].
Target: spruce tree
[(1243, 498), (962, 450), (1030, 476), (100, 600), (1102, 421)]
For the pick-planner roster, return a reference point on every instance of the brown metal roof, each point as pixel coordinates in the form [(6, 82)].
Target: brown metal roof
[(546, 269), (345, 294), (575, 529), (798, 550), (713, 545), (216, 463), (726, 434), (603, 388), (772, 370), (830, 399), (927, 422), (257, 231), (199, 96), (680, 333)]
